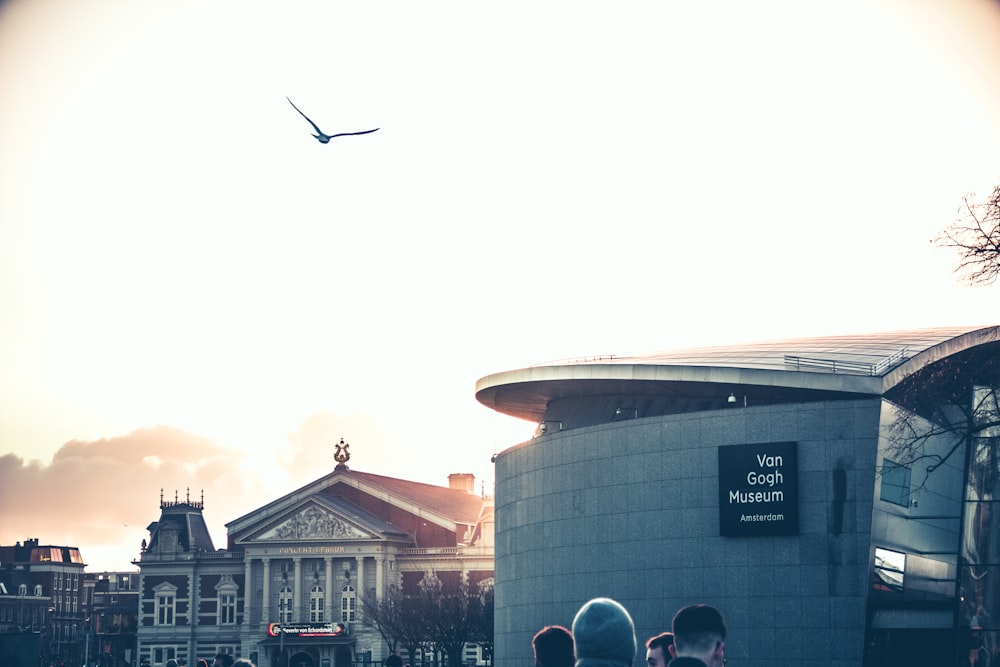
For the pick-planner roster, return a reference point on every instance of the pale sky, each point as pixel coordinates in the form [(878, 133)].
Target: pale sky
[(196, 293)]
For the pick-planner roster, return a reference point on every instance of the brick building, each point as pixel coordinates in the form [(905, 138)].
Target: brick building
[(42, 601)]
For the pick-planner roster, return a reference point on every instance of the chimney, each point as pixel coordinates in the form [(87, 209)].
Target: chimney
[(462, 481)]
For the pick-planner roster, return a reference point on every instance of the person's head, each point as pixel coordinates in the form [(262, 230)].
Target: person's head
[(223, 660), (553, 646), (700, 632), (660, 650), (243, 662), (394, 661), (603, 635), (202, 662), (171, 663)]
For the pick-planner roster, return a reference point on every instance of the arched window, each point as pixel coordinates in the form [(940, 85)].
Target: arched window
[(285, 601), (316, 604), (348, 604), (226, 592), (38, 590), (22, 590)]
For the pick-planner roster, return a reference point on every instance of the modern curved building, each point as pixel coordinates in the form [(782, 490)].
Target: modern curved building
[(831, 496)]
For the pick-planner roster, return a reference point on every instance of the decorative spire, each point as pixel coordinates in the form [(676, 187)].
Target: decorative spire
[(187, 502), (342, 456)]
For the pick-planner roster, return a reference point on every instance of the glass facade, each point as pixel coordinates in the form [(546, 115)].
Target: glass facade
[(979, 574), (934, 595)]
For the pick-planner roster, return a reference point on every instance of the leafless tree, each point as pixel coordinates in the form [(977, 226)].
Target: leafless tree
[(384, 613), (398, 618), (976, 237), (434, 618), (952, 401), (482, 622)]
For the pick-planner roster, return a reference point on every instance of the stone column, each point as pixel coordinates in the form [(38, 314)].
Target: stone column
[(297, 592), (360, 586), (193, 602), (329, 590), (379, 576), (265, 611), (247, 591)]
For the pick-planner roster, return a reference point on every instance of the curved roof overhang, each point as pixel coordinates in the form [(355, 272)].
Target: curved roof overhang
[(932, 355), (527, 393), (833, 367)]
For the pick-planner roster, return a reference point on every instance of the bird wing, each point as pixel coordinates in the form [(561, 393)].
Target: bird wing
[(319, 131), (347, 134)]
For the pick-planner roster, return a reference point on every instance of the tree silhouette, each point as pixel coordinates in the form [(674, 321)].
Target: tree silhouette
[(952, 401), (434, 618), (976, 237)]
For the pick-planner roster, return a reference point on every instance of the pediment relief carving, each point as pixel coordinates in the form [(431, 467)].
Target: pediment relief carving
[(311, 523)]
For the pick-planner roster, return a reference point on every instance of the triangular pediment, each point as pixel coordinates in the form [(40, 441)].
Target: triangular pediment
[(310, 521)]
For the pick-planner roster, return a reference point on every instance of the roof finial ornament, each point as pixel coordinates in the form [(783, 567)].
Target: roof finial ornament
[(342, 456)]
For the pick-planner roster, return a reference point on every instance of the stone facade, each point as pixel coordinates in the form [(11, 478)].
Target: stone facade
[(630, 511), (288, 588)]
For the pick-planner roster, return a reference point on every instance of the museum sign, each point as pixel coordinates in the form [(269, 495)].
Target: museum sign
[(758, 489)]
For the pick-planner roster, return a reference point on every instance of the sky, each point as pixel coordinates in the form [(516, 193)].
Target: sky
[(197, 296)]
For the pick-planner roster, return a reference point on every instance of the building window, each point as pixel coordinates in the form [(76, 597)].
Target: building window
[(226, 591), (316, 604), (890, 567), (895, 483), (227, 609), (38, 590), (348, 604), (163, 653), (22, 590), (166, 604), (285, 601)]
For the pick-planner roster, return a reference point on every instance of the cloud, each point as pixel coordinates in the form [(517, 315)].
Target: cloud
[(101, 495), (106, 492)]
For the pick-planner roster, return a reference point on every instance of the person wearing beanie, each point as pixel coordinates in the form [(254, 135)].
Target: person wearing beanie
[(699, 637), (604, 635)]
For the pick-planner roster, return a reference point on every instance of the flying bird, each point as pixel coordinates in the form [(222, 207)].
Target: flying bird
[(320, 135)]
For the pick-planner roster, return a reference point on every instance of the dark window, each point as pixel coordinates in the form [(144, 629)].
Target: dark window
[(895, 483)]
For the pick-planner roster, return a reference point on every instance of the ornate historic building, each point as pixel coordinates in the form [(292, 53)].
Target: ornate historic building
[(287, 589)]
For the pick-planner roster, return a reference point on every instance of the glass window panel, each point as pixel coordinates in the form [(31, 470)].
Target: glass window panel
[(895, 483), (890, 567)]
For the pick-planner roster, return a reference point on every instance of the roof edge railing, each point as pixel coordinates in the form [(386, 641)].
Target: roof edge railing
[(841, 366), (578, 360)]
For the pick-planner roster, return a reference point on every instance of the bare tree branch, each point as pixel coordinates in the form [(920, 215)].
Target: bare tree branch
[(943, 408), (976, 237)]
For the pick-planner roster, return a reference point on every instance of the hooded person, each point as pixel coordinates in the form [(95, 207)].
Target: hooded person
[(604, 635)]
